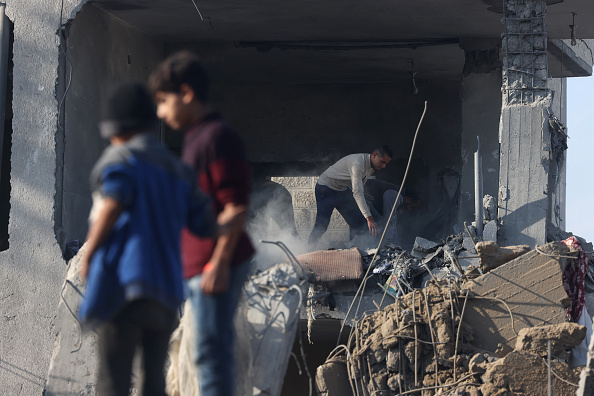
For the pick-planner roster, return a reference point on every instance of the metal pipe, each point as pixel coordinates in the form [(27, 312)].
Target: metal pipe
[(478, 190), (4, 37), (549, 366)]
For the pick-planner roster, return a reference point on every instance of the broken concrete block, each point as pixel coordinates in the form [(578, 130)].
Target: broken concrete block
[(490, 231), (492, 256), (563, 337), (332, 378), (531, 286), (490, 208), (525, 373), (424, 245), (468, 244)]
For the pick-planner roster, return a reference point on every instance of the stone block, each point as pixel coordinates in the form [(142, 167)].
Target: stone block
[(304, 219), (304, 199), (337, 222), (531, 286), (304, 182)]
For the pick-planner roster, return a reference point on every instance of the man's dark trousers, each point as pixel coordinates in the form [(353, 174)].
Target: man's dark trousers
[(326, 200), (144, 325)]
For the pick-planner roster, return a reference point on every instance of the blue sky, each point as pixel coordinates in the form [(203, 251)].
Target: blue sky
[(580, 157)]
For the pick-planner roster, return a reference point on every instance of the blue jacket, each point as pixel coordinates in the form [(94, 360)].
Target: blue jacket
[(141, 257)]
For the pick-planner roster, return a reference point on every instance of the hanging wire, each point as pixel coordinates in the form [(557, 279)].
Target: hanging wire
[(207, 19), (361, 289)]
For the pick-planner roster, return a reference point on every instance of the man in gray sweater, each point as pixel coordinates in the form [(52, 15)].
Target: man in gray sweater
[(341, 187)]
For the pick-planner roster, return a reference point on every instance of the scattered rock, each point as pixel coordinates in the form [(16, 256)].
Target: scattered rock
[(563, 337), (490, 231), (493, 256), (522, 372)]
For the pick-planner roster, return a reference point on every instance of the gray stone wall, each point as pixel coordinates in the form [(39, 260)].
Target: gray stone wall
[(32, 270)]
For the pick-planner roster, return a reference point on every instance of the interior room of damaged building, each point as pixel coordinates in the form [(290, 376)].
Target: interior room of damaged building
[(483, 295)]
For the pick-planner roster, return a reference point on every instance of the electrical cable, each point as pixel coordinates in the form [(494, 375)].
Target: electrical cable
[(199, 13), (431, 332), (537, 248), (478, 297), (556, 375), (440, 386), (363, 284)]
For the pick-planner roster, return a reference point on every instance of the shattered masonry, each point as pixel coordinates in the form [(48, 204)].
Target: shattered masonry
[(422, 342), (525, 46)]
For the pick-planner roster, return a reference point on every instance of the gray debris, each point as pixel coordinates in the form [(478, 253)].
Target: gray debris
[(490, 231), (424, 245), (490, 208)]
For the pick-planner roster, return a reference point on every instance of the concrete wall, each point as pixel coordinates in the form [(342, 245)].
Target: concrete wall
[(103, 50), (32, 270)]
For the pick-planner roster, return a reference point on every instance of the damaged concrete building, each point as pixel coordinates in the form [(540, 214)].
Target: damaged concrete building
[(304, 83)]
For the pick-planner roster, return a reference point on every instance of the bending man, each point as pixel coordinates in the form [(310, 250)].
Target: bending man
[(341, 187)]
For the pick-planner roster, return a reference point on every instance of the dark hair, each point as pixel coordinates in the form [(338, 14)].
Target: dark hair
[(181, 68), (384, 150)]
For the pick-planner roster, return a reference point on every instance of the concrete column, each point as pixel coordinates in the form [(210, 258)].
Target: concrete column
[(524, 132)]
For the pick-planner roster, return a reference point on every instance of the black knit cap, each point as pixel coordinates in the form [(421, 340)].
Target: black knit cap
[(128, 107)]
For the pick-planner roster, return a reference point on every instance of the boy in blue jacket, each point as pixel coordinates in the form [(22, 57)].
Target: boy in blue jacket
[(143, 197)]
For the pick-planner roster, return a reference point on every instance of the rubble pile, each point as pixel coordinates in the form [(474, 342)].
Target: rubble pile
[(422, 343), (426, 261), (411, 344)]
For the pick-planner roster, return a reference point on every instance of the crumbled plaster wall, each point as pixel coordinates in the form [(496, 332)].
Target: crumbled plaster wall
[(32, 270)]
